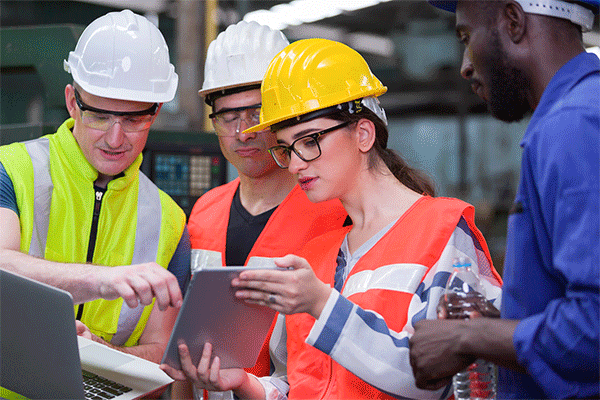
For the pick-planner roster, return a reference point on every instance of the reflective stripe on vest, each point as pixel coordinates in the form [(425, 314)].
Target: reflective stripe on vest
[(146, 235), (39, 152), (145, 245), (205, 258), (394, 277)]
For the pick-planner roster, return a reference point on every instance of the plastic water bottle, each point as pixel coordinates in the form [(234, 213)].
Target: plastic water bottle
[(464, 295)]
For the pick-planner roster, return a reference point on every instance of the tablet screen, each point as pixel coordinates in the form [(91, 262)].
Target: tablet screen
[(211, 313)]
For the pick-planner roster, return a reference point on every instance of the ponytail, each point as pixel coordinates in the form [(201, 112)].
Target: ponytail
[(410, 177)]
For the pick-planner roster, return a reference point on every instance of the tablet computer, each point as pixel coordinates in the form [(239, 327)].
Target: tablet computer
[(211, 313)]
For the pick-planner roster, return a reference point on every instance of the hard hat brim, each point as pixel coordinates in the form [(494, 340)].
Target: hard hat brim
[(447, 5), (267, 124), (206, 92)]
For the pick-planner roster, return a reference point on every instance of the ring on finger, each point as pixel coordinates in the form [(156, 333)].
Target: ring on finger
[(271, 299)]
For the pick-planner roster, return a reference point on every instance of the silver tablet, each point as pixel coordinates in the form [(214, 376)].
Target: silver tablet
[(211, 313)]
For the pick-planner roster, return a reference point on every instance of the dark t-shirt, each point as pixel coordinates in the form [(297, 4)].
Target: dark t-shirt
[(242, 231)]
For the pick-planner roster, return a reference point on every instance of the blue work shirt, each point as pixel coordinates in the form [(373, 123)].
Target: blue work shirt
[(552, 268)]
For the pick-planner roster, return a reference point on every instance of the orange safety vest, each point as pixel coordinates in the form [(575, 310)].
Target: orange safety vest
[(295, 221), (418, 237)]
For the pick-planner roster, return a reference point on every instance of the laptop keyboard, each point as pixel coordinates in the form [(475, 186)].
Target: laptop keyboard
[(99, 388)]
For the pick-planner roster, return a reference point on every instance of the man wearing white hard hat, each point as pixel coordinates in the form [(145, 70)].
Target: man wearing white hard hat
[(245, 220), (75, 210)]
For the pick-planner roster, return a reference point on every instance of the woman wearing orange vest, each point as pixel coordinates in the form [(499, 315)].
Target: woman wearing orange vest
[(352, 295)]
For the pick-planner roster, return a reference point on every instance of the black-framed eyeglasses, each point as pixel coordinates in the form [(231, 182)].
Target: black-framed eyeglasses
[(103, 120), (307, 147), (228, 120)]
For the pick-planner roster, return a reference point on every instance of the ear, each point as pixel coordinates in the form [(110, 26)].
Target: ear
[(365, 130), (70, 100), (516, 21)]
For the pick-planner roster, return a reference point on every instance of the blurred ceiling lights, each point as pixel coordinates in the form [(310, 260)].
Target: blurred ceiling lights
[(299, 12), (145, 6)]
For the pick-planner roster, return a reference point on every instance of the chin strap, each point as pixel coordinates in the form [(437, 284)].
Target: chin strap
[(575, 13)]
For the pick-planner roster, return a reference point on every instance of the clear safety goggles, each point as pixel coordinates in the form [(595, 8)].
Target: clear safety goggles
[(103, 120), (228, 121)]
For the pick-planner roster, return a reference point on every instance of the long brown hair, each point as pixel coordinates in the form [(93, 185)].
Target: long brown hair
[(410, 177)]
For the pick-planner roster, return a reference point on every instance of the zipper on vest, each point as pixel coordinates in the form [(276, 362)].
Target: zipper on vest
[(93, 233)]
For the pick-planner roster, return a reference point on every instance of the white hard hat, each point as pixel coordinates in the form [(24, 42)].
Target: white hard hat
[(239, 56), (122, 55)]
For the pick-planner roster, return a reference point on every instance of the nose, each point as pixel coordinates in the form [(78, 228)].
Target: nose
[(115, 136), (241, 127), (466, 68), (296, 163)]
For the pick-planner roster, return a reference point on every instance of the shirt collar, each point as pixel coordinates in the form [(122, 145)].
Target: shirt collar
[(565, 79)]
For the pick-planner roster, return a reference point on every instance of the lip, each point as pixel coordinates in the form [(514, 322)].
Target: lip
[(306, 183), (112, 155), (247, 151)]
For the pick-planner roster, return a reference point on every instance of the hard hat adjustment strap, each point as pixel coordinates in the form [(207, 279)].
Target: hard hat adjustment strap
[(352, 106), (575, 13)]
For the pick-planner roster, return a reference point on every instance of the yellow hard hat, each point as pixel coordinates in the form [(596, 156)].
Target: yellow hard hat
[(310, 75)]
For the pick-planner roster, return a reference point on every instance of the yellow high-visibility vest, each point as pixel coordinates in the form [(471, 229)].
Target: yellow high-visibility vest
[(54, 187)]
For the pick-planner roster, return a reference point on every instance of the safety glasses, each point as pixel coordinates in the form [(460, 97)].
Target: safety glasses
[(228, 121), (103, 120), (307, 147)]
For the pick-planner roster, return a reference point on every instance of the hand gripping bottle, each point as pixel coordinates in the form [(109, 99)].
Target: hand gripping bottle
[(464, 298)]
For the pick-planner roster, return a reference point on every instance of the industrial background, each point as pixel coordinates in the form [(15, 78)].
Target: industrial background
[(435, 121)]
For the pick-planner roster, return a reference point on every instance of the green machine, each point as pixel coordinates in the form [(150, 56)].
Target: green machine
[(184, 164), (32, 81)]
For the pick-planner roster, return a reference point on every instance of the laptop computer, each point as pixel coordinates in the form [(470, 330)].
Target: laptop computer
[(211, 313), (41, 356)]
